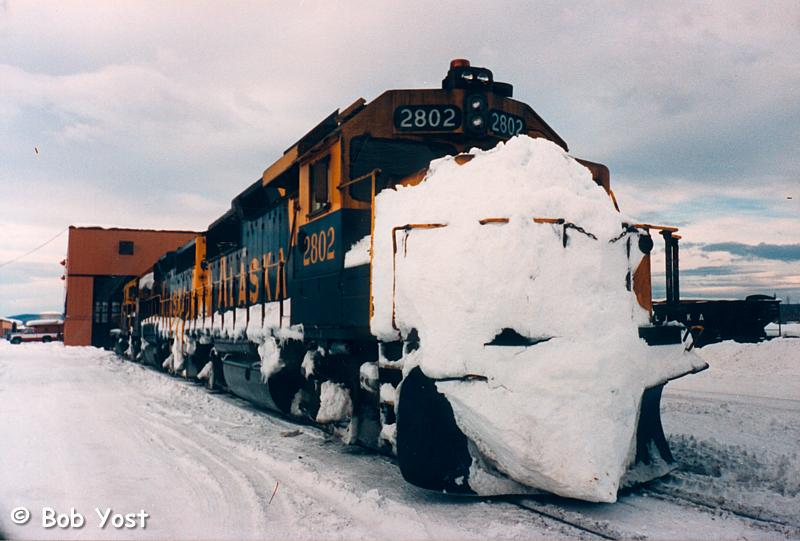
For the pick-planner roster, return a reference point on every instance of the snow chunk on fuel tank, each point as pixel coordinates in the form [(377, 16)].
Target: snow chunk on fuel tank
[(335, 403)]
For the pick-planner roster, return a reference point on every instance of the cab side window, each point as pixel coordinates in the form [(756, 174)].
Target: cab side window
[(319, 185)]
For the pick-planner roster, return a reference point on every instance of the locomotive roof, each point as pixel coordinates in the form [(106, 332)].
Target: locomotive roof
[(335, 121), (229, 216)]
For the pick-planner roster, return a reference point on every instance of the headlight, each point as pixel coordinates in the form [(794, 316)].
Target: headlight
[(476, 103), (467, 75), (483, 77), (475, 111)]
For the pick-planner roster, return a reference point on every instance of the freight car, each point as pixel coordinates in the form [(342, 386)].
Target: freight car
[(739, 320), (294, 300)]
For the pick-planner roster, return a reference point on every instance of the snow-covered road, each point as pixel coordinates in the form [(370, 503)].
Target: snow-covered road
[(82, 429)]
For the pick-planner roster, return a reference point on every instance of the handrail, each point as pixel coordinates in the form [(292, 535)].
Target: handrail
[(407, 227), (363, 177), (492, 220), (543, 220), (657, 227), (485, 221)]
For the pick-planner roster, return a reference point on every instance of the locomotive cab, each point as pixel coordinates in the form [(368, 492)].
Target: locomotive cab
[(350, 157)]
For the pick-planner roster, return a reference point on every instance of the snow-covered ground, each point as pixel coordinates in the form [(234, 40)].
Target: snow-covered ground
[(735, 428), (791, 330), (81, 428)]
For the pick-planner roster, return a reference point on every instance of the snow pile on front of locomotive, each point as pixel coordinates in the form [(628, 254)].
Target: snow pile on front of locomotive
[(559, 415)]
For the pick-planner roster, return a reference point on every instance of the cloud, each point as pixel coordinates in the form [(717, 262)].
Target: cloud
[(709, 271), (153, 115), (24, 286), (780, 252), (722, 274)]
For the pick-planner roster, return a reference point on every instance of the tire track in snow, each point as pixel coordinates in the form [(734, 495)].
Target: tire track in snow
[(332, 509), (226, 484), (108, 432), (328, 505)]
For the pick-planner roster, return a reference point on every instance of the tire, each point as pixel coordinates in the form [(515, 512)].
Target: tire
[(16, 340), (47, 339), (431, 450)]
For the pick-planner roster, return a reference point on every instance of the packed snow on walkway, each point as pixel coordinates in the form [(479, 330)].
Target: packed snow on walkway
[(83, 429)]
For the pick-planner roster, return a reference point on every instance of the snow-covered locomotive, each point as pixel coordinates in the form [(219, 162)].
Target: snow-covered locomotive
[(431, 274)]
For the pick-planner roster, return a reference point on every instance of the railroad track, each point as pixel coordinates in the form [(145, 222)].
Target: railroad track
[(716, 503), (571, 519), (655, 513)]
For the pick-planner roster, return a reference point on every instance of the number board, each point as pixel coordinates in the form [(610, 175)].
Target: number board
[(427, 118), (505, 124), (319, 247)]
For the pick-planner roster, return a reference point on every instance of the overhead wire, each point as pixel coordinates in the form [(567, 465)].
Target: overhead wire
[(26, 254)]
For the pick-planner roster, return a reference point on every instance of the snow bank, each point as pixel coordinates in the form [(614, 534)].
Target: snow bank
[(767, 369), (789, 330), (559, 415), (779, 355), (52, 321), (734, 428)]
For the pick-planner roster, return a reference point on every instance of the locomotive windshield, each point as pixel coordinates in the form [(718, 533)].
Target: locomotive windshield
[(396, 158)]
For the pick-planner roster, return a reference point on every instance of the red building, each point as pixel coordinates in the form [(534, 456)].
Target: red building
[(99, 262)]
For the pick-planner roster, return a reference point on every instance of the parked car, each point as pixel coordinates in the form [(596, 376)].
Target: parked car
[(39, 330)]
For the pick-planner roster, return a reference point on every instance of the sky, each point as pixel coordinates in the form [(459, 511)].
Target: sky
[(156, 114)]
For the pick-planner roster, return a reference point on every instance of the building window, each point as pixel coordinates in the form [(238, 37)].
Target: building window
[(126, 247), (100, 312), (319, 185)]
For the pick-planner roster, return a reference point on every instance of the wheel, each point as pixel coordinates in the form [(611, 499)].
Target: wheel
[(16, 340), (431, 449), (47, 339)]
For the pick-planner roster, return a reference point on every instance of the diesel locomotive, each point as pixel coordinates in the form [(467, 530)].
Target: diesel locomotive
[(273, 301)]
